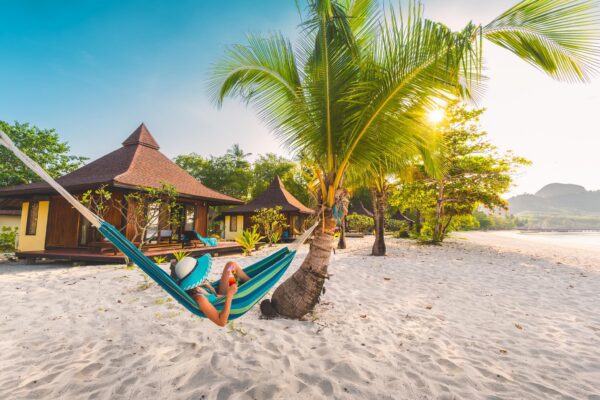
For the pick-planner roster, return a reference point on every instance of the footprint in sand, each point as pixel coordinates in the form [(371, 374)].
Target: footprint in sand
[(448, 365), (90, 369)]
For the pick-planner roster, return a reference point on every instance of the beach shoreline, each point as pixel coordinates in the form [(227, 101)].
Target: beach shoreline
[(481, 317)]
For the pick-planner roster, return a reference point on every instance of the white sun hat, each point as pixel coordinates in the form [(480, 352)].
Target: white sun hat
[(191, 272)]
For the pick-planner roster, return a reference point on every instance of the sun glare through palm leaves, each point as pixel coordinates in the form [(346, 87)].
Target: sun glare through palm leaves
[(436, 115)]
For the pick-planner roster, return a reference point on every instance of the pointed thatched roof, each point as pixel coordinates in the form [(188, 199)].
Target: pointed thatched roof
[(275, 195), (138, 163), (357, 207)]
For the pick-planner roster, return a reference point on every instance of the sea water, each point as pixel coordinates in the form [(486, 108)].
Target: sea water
[(579, 240)]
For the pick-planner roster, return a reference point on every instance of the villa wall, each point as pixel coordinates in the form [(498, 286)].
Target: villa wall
[(240, 226), (35, 242), (11, 221)]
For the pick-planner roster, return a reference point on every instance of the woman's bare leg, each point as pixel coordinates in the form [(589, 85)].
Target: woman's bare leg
[(231, 266)]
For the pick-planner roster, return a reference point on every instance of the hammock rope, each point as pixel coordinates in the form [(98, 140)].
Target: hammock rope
[(264, 274), (35, 167)]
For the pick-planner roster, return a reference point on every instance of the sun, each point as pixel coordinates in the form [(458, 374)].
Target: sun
[(436, 116)]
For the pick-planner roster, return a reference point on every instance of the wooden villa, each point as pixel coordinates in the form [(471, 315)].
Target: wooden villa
[(51, 228), (238, 219)]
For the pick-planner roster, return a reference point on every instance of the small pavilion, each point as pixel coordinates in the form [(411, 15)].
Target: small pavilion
[(238, 219)]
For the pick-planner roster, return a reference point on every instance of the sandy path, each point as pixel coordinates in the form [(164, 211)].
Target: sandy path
[(459, 321)]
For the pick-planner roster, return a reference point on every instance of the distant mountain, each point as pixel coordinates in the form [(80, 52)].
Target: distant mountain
[(557, 198), (559, 205), (560, 189)]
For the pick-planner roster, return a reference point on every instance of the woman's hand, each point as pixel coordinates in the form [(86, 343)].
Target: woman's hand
[(231, 290)]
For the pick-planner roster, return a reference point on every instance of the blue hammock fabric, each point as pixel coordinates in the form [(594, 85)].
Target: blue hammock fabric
[(264, 274)]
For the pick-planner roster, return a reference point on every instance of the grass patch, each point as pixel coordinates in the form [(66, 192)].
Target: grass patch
[(171, 314), (232, 328), (147, 284)]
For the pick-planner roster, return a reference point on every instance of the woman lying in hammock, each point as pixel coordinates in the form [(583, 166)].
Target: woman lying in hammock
[(191, 275)]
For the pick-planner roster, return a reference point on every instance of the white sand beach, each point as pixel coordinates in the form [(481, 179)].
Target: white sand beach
[(489, 317)]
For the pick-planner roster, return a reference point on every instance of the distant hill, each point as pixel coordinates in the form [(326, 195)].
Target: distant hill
[(559, 198), (560, 189), (559, 205)]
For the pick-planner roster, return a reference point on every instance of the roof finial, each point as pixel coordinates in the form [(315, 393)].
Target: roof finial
[(141, 136)]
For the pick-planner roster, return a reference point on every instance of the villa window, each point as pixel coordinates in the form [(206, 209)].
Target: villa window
[(153, 216), (233, 223), (190, 217), (32, 218)]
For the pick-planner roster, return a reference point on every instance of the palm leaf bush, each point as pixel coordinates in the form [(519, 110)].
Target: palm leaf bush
[(357, 83)]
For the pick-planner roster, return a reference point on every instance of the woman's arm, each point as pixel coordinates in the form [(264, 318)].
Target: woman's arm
[(209, 287), (219, 318)]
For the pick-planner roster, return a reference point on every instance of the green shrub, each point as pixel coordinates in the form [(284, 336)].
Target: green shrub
[(8, 238), (395, 225), (360, 223), (248, 239), (271, 222)]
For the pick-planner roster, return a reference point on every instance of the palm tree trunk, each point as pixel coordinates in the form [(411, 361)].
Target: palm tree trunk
[(342, 241), (379, 211), (299, 294)]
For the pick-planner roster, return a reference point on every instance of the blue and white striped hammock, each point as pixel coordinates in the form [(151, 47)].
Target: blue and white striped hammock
[(264, 274)]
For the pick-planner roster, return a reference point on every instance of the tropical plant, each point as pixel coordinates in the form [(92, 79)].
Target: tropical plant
[(270, 222), (160, 259), (359, 81), (276, 237), (180, 255), (248, 239), (8, 239)]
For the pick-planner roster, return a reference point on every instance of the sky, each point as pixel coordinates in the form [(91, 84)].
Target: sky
[(95, 69)]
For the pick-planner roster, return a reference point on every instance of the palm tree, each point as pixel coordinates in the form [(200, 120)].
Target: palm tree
[(238, 155), (357, 79)]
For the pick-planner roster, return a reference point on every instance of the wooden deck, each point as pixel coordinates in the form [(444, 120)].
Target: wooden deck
[(74, 255)]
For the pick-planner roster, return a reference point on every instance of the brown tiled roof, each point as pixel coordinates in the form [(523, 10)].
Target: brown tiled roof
[(275, 195), (10, 212), (137, 164), (357, 207)]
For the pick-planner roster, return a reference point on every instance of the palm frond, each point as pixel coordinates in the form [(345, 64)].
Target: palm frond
[(559, 37), (264, 74), (415, 61)]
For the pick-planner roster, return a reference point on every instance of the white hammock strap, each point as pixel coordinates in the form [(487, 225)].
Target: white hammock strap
[(298, 242), (90, 216)]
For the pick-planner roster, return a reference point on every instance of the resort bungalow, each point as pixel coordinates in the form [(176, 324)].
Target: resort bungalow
[(239, 218), (51, 228)]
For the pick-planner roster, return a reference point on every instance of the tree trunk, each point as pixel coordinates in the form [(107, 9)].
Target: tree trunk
[(299, 294), (379, 211), (342, 241), (445, 229), (439, 216)]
